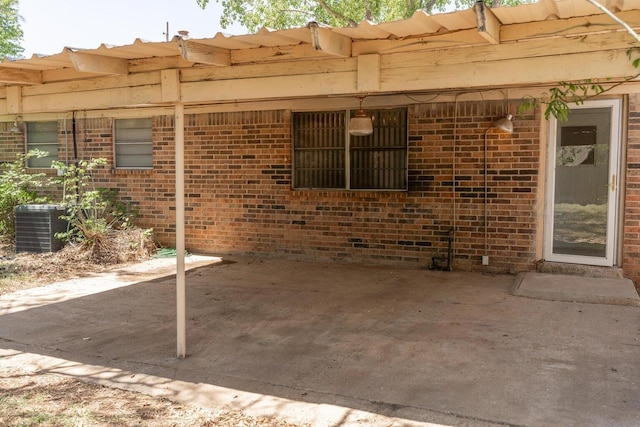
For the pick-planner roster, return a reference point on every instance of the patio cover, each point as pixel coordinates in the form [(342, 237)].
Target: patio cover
[(184, 62)]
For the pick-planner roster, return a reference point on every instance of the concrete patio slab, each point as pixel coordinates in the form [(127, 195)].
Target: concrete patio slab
[(597, 290), (341, 344)]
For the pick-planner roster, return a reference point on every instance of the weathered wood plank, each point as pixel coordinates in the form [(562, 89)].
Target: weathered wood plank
[(144, 65), (66, 74), (368, 73), (311, 104), (98, 99), (568, 27), (458, 39), (505, 73), (170, 80), (488, 24), (95, 83), (90, 63), (20, 77), (327, 41), (270, 87), (327, 66), (510, 51), (276, 54), (14, 99), (204, 54)]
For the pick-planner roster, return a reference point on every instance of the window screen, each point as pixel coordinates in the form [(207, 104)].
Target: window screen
[(326, 156), (380, 159), (319, 149), (42, 136), (133, 146)]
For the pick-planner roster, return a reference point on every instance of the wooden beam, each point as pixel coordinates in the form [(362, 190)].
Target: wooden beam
[(457, 39), (106, 99), (368, 73), (581, 25), (276, 54), (170, 80), (66, 75), (94, 84), (89, 63), (479, 73), (328, 41), (320, 84), (158, 63), (488, 24), (14, 99), (419, 75), (204, 54), (544, 48), (20, 77), (327, 65)]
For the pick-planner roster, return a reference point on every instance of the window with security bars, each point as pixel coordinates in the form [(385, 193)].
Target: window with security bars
[(326, 156), (133, 144), (42, 136)]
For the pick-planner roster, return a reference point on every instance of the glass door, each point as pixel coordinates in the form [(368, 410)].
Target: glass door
[(582, 192)]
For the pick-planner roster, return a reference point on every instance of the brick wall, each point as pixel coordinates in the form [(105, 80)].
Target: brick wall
[(11, 144), (151, 193), (512, 172), (631, 237), (239, 197)]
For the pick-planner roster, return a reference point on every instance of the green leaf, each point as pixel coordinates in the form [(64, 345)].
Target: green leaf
[(281, 14), (10, 31)]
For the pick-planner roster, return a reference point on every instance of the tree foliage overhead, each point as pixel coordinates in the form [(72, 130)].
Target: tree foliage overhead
[(281, 14), (10, 31)]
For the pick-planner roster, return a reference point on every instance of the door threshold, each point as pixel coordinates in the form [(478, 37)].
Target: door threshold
[(578, 269)]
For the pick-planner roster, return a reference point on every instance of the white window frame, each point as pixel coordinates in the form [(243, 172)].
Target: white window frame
[(47, 141), (129, 135)]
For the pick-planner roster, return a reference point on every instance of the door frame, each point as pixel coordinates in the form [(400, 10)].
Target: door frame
[(615, 150)]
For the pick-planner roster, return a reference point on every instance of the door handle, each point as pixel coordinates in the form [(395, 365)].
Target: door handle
[(613, 182)]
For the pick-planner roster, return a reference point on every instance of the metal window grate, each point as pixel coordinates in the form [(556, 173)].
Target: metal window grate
[(319, 149), (378, 161)]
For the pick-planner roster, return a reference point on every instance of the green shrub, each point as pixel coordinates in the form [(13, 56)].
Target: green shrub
[(18, 186), (92, 212)]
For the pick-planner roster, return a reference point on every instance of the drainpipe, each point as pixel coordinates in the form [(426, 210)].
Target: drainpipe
[(181, 317), (75, 141)]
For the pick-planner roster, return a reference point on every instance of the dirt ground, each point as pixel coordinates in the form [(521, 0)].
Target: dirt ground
[(32, 398)]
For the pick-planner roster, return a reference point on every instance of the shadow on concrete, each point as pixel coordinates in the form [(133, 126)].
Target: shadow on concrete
[(269, 336)]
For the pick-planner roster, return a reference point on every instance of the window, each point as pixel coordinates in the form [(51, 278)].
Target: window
[(133, 146), (42, 136), (326, 156)]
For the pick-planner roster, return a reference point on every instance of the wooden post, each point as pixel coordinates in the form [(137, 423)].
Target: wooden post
[(180, 240)]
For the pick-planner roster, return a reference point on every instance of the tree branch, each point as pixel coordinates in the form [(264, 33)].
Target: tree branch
[(615, 18), (330, 11)]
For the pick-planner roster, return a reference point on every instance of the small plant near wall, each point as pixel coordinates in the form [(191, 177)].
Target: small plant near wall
[(18, 186), (98, 221), (561, 96)]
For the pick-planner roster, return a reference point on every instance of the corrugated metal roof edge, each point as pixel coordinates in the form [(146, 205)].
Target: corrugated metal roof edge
[(428, 24)]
